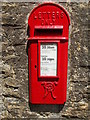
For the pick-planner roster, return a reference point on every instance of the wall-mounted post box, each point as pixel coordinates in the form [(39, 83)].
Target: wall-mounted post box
[(48, 54)]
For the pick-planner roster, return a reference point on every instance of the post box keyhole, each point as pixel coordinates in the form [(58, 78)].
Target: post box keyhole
[(35, 66)]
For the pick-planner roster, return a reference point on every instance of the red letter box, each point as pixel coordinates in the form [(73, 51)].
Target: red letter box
[(48, 54)]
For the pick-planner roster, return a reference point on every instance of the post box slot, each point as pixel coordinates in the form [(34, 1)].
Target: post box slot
[(48, 31)]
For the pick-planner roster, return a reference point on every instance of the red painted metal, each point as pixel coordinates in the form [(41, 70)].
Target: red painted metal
[(48, 23)]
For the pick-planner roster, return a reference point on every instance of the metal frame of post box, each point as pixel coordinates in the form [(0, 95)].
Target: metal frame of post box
[(58, 50)]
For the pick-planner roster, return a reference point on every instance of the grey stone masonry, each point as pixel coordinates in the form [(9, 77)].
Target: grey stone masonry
[(14, 94)]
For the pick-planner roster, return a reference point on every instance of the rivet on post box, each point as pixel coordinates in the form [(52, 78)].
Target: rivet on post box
[(48, 54)]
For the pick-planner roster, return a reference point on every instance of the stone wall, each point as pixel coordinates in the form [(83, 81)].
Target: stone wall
[(14, 94)]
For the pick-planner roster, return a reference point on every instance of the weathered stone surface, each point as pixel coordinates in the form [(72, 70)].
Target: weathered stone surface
[(14, 94)]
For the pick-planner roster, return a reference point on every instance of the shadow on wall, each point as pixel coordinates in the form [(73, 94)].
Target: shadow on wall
[(42, 107), (45, 108)]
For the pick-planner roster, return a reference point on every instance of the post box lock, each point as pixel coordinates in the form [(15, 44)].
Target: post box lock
[(48, 54)]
